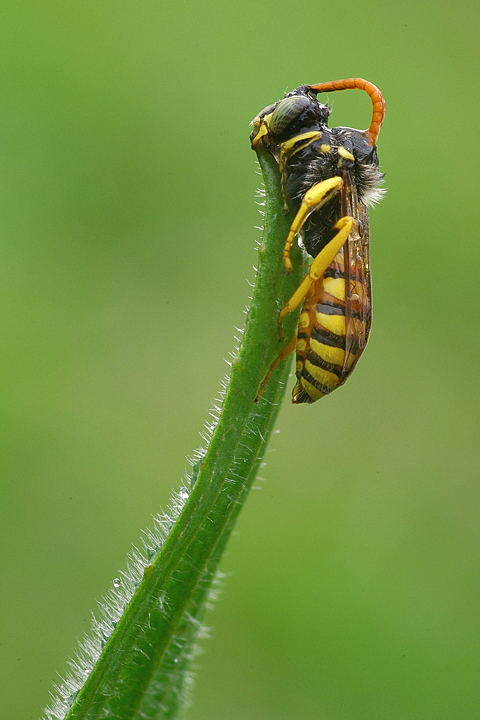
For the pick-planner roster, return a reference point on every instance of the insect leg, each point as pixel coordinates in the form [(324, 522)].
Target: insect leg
[(313, 199), (318, 267), (284, 353)]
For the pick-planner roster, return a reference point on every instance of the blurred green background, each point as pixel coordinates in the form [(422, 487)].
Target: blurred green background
[(127, 234)]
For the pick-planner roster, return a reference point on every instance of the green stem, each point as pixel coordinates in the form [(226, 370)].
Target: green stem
[(140, 672)]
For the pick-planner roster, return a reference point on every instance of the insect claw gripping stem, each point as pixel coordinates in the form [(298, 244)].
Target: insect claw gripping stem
[(374, 93)]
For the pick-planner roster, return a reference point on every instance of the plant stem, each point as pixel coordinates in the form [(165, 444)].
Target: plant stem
[(143, 665)]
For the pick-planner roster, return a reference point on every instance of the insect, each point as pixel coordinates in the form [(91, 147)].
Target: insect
[(329, 179)]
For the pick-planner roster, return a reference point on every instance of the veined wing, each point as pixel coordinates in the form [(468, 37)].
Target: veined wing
[(358, 288)]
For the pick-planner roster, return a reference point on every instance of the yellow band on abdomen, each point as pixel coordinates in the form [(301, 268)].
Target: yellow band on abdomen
[(312, 392), (334, 323), (335, 287), (324, 377), (333, 355)]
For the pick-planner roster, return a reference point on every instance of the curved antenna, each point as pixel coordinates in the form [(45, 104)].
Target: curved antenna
[(374, 93)]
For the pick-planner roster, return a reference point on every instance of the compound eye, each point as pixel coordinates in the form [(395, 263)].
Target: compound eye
[(286, 111)]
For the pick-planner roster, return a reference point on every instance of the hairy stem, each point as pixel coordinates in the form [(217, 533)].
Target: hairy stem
[(143, 666)]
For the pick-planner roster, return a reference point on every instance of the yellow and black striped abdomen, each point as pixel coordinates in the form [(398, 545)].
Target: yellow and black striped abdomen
[(330, 333)]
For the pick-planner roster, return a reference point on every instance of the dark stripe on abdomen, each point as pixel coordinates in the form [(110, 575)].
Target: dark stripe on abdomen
[(331, 308), (323, 388), (328, 338), (321, 363)]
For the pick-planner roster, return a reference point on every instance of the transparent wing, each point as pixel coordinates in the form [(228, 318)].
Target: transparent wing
[(358, 289)]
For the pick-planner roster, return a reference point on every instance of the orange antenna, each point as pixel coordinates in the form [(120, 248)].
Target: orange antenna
[(374, 93)]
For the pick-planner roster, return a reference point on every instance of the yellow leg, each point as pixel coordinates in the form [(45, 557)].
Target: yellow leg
[(284, 353), (316, 271), (317, 268), (313, 199)]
